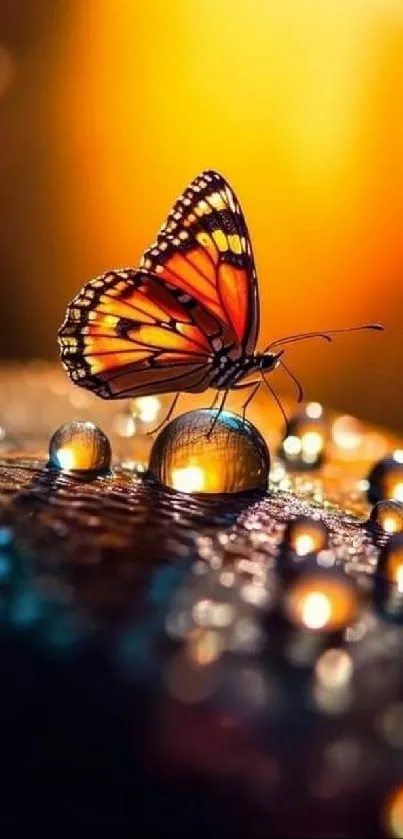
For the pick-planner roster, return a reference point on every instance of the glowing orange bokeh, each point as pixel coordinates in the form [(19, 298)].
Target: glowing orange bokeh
[(299, 104)]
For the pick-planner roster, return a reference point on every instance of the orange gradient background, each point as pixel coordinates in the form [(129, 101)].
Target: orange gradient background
[(110, 108)]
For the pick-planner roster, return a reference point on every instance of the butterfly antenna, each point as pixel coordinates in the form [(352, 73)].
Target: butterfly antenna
[(327, 336), (300, 392), (277, 400)]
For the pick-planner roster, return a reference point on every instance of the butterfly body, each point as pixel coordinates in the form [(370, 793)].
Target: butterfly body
[(187, 319), (228, 374)]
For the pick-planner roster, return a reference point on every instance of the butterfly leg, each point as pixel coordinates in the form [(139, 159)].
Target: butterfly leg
[(167, 416), (250, 397), (215, 400), (218, 412), (255, 385)]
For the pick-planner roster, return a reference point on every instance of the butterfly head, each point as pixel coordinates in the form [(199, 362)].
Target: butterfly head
[(269, 361)]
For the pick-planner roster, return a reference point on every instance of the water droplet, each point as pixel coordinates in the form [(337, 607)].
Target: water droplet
[(386, 480), (79, 447), (191, 456), (386, 518)]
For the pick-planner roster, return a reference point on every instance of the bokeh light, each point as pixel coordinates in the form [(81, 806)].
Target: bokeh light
[(311, 140), (347, 433), (321, 602), (146, 409), (390, 563), (387, 517), (334, 669), (394, 814), (303, 448), (305, 535), (314, 410)]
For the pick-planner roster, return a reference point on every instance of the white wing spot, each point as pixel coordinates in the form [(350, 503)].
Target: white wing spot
[(230, 200)]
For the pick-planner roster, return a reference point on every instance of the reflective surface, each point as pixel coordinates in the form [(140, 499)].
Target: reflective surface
[(80, 447), (391, 561), (193, 455), (156, 627), (386, 478), (386, 518)]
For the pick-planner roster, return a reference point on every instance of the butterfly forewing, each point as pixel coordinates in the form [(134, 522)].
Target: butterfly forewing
[(204, 248)]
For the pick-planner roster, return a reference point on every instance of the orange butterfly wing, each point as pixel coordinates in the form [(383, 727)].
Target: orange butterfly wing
[(159, 329), (127, 334), (204, 249)]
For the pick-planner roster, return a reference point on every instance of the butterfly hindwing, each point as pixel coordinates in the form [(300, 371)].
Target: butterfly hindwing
[(127, 333), (205, 250)]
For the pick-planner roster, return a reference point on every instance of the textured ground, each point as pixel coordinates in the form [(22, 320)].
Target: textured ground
[(152, 679)]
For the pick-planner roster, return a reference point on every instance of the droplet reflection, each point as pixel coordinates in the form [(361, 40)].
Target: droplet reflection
[(387, 518), (80, 447), (190, 455), (386, 479)]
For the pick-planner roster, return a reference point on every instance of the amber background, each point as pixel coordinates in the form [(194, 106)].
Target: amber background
[(107, 109)]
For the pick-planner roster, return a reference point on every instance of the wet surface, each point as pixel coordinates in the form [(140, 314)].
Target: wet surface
[(169, 668)]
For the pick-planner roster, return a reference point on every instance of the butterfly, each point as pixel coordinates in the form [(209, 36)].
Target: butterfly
[(187, 318)]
